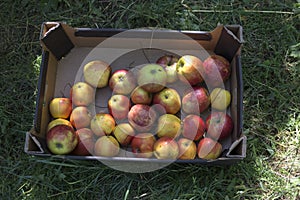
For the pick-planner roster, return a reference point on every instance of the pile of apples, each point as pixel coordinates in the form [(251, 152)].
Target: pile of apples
[(147, 116)]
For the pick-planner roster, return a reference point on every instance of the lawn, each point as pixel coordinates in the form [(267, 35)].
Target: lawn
[(271, 75)]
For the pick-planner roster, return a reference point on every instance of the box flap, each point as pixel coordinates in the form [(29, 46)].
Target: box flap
[(32, 145), (238, 148), (55, 39)]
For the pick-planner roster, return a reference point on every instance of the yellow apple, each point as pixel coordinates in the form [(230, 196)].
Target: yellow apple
[(187, 149), (169, 125), (58, 121), (97, 73), (220, 98), (60, 107), (102, 124)]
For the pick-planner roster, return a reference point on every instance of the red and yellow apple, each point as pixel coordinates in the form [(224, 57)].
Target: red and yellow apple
[(61, 139), (119, 106), (86, 142), (196, 101), (58, 121), (102, 124), (82, 94), (193, 127), (106, 146), (209, 149), (142, 145), (169, 99), (141, 96), (219, 125), (169, 62), (96, 73), (166, 148), (60, 107), (80, 117), (187, 149), (122, 81)]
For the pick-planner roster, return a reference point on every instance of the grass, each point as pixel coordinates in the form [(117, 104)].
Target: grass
[(271, 74)]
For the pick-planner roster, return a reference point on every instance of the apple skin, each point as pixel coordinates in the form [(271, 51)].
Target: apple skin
[(169, 99), (142, 145), (209, 149), (96, 73), (152, 78), (217, 70), (169, 62), (187, 149), (106, 146), (219, 125), (190, 69), (220, 98), (102, 124), (142, 117), (196, 101), (119, 106), (122, 81), (86, 143), (58, 121), (124, 133), (166, 148), (82, 94), (61, 139), (193, 127), (80, 117), (141, 96), (60, 107), (168, 126)]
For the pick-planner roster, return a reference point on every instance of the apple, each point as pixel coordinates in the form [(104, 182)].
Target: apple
[(152, 77), (220, 98), (168, 126), (86, 143), (102, 124), (122, 81), (118, 106), (60, 107), (58, 121), (96, 73), (142, 117), (217, 70), (187, 149), (209, 149), (193, 127), (169, 62), (166, 148), (106, 146), (124, 133), (189, 69), (142, 145), (61, 139), (80, 117), (169, 99), (195, 101), (82, 94), (219, 125), (141, 96)]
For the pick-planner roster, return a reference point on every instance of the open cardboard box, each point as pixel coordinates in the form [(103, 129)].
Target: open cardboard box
[(66, 50)]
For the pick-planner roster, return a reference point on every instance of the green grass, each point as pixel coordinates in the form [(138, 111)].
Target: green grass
[(271, 74)]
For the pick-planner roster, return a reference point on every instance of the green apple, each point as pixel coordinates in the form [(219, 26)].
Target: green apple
[(220, 98), (152, 77)]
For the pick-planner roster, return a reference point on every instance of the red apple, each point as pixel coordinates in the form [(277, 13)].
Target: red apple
[(102, 124), (219, 125), (122, 81), (142, 145), (96, 73), (61, 139), (85, 146), (124, 133), (60, 107), (169, 99), (58, 121), (193, 127), (141, 96), (166, 148), (209, 149), (142, 117), (82, 94), (168, 126), (80, 117), (187, 149), (106, 146), (118, 106), (189, 69), (169, 62), (217, 70), (196, 101), (152, 77)]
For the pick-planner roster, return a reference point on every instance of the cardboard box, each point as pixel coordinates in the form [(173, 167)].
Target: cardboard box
[(67, 49)]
